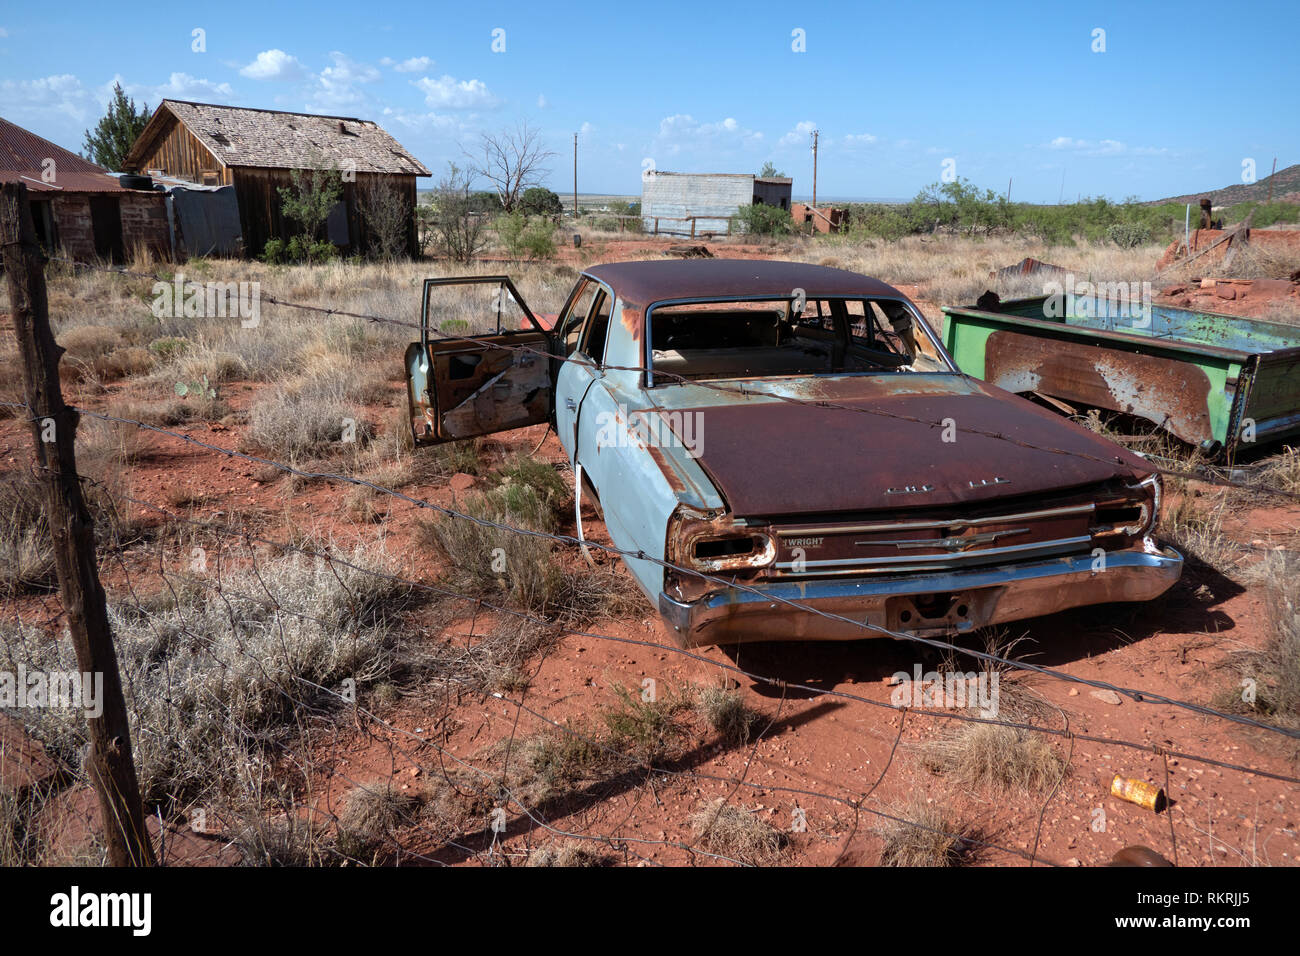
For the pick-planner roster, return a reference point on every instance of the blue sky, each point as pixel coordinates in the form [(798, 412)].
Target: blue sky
[(1182, 95)]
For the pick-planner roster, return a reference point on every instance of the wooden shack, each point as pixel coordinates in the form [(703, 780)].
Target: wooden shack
[(80, 210), (257, 152)]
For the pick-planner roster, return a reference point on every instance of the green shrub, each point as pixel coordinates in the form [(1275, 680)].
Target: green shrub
[(274, 251), (298, 249), (524, 237), (1128, 235), (761, 219)]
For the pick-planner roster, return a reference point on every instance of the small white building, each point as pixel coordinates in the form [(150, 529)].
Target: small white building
[(673, 203)]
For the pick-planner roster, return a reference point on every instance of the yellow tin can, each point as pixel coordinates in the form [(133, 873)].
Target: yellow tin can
[(1146, 795)]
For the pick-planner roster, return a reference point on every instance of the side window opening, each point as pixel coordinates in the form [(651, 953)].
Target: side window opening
[(572, 327), (597, 329)]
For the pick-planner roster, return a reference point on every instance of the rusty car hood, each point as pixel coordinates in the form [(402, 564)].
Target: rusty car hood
[(770, 458)]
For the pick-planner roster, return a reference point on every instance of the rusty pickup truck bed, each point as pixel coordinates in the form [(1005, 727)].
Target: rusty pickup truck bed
[(1216, 381)]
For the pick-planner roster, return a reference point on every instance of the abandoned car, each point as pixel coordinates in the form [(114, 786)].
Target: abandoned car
[(786, 451)]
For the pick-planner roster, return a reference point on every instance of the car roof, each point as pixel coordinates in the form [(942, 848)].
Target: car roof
[(643, 283)]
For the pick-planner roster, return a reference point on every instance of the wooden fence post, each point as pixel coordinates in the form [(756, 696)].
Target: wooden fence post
[(54, 428)]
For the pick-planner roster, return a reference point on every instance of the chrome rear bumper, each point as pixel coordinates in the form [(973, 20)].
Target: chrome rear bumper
[(925, 604)]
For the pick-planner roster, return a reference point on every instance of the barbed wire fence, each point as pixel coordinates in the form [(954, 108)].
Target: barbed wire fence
[(315, 708)]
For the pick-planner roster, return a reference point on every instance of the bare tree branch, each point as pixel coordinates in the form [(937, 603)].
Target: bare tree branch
[(512, 161)]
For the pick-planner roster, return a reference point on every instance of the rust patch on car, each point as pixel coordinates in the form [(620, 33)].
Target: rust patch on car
[(670, 473), (632, 321)]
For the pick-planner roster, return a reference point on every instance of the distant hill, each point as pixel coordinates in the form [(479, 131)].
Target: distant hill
[(1284, 181)]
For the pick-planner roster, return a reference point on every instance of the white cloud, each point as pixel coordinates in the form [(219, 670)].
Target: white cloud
[(448, 93), (179, 86), (852, 140), (62, 93), (273, 65), (444, 124), (337, 85), (586, 129), (800, 135), (1103, 147), (3, 33), (683, 131), (541, 101), (416, 64)]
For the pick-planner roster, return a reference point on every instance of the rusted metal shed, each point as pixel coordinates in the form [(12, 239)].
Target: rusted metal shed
[(78, 208), (257, 151)]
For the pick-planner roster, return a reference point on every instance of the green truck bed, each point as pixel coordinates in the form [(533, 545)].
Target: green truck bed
[(1212, 380)]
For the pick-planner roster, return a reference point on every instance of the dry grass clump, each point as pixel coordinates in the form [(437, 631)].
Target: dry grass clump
[(370, 819), (570, 853), (556, 762), (627, 737), (1282, 470), (737, 833), (211, 682), (26, 552), (1196, 529), (485, 557), (26, 555), (311, 420), (726, 711), (168, 413), (1271, 674), (994, 757), (924, 834), (285, 839), (645, 729)]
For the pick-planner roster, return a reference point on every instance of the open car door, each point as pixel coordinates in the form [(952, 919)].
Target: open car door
[(461, 387)]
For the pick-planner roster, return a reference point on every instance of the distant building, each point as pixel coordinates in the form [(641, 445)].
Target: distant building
[(693, 204), (81, 210), (257, 151), (824, 219)]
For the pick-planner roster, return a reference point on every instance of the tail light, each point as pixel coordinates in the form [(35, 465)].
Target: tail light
[(712, 542), (728, 552)]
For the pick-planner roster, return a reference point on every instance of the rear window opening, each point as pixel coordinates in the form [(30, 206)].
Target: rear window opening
[(796, 336)]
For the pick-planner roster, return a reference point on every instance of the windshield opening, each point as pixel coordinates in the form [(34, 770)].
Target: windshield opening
[(795, 336)]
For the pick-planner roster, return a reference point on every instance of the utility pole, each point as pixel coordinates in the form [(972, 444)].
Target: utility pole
[(1270, 179), (54, 428), (1009, 189), (814, 135), (575, 176)]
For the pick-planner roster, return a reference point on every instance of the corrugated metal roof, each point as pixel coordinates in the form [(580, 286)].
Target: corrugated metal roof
[(239, 136), (23, 157)]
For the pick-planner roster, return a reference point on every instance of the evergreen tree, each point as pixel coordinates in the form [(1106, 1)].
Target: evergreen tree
[(112, 138)]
